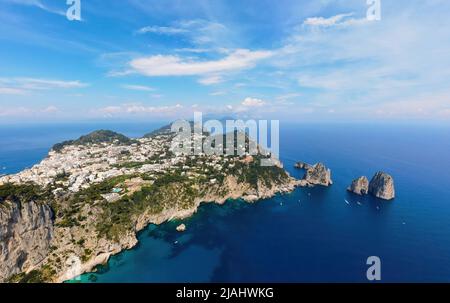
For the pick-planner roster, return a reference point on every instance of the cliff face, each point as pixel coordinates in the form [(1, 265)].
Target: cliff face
[(316, 174), (360, 186), (26, 231), (103, 192), (382, 186)]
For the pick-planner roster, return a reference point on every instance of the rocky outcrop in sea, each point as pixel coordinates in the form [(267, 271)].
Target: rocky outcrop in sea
[(381, 186), (317, 174), (359, 186)]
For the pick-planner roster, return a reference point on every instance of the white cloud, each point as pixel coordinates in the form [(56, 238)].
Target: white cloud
[(197, 31), (138, 87), (22, 111), (138, 109), (211, 80), (358, 71), (162, 30), (326, 22), (218, 93), (18, 85), (50, 109), (253, 102), (11, 91), (161, 65)]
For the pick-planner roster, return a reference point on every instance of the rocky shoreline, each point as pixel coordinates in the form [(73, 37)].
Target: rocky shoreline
[(131, 241), (88, 199), (99, 191)]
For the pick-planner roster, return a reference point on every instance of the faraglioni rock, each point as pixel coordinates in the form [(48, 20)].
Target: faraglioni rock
[(382, 186), (360, 186), (316, 174)]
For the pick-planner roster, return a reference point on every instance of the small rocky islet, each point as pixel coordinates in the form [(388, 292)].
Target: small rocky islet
[(317, 174), (381, 185)]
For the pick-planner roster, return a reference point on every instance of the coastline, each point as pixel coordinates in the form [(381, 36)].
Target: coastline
[(172, 214)]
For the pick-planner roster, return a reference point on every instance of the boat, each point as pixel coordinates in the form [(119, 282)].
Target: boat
[(347, 202)]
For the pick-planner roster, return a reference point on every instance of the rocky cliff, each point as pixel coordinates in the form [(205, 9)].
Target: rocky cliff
[(382, 186), (316, 174), (26, 230), (360, 186), (102, 192)]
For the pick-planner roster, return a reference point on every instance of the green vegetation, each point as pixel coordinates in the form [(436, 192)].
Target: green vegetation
[(43, 275), (169, 191), (69, 211), (99, 136), (23, 193)]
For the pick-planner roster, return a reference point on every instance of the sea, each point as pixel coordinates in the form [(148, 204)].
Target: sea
[(310, 235)]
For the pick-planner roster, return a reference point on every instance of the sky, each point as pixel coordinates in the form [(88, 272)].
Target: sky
[(293, 60)]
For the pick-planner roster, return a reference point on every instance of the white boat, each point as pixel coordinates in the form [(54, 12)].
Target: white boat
[(347, 202), (359, 203)]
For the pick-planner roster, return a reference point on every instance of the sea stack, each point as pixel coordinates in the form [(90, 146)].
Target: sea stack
[(317, 174), (181, 228), (360, 186), (382, 186)]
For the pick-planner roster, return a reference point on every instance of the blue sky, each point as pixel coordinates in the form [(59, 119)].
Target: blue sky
[(294, 60)]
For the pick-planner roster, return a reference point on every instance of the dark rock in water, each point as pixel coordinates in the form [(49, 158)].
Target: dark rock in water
[(318, 175), (360, 186), (382, 186)]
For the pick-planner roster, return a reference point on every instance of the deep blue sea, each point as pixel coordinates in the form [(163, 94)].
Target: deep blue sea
[(311, 235)]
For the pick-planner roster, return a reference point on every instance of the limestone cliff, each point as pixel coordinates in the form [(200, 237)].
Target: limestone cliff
[(316, 174), (26, 231), (382, 186), (360, 186), (88, 199)]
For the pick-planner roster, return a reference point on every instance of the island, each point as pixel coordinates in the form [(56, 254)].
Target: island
[(88, 199), (381, 186), (317, 174)]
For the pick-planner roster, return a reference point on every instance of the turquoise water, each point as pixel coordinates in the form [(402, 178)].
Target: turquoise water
[(311, 235)]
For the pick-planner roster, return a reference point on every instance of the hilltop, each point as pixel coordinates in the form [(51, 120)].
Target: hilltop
[(99, 136)]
